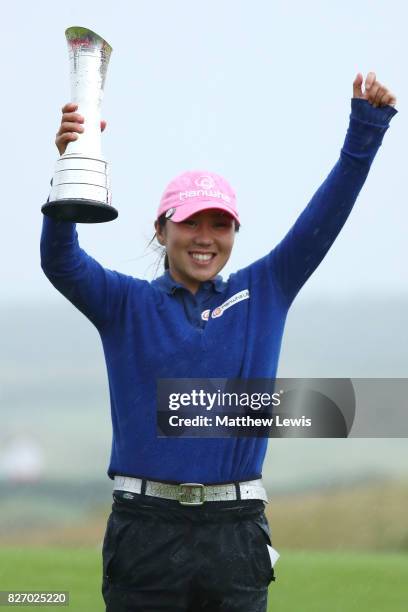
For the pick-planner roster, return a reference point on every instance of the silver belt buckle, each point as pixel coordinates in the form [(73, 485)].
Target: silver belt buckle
[(185, 494)]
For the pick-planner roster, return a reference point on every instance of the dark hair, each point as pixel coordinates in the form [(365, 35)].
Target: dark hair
[(162, 222)]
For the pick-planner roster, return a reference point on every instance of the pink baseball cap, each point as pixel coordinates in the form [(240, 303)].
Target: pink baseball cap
[(194, 191)]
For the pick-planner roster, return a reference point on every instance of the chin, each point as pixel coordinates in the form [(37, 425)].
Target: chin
[(205, 275)]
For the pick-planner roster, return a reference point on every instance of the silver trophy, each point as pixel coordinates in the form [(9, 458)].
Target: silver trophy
[(81, 187)]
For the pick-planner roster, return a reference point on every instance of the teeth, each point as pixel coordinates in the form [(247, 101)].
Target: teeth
[(201, 256)]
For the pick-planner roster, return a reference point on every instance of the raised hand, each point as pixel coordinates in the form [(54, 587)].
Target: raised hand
[(375, 93), (71, 126)]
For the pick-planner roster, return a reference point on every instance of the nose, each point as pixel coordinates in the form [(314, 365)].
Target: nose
[(203, 236)]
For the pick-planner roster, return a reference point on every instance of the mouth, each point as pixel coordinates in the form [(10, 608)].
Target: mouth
[(200, 258)]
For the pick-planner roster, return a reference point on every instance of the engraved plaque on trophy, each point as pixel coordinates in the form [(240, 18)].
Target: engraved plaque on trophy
[(80, 187)]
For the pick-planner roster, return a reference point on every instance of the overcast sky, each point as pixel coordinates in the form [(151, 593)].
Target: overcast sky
[(256, 91)]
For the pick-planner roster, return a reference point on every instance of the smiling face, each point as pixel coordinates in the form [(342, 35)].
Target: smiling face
[(199, 247)]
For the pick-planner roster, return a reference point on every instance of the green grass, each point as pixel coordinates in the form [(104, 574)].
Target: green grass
[(340, 582), (78, 571), (306, 581)]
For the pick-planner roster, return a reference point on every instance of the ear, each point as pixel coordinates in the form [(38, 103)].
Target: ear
[(160, 233)]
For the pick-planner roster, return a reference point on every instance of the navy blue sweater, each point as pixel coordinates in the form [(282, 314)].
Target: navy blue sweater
[(152, 330)]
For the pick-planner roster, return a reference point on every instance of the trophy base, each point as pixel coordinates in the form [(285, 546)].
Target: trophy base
[(79, 211)]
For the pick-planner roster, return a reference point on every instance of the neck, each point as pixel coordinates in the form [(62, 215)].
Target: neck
[(191, 284)]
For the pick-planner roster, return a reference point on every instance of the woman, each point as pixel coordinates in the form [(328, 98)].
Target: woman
[(169, 545)]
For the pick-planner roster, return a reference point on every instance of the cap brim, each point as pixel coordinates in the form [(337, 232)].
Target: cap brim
[(187, 210)]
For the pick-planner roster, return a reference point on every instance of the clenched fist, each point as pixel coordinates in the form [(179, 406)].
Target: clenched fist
[(375, 93), (71, 124)]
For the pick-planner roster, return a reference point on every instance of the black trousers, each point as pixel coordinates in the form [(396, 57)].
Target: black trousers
[(160, 556)]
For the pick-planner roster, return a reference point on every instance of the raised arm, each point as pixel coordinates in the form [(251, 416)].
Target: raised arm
[(96, 291), (300, 252)]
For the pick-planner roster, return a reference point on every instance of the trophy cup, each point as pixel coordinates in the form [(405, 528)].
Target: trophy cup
[(81, 188)]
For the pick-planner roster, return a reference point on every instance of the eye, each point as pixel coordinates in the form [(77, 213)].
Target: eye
[(189, 222)]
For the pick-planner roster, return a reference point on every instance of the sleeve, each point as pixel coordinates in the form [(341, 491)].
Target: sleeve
[(96, 291), (300, 252)]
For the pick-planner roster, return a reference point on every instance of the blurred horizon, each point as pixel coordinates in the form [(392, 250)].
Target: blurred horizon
[(54, 388)]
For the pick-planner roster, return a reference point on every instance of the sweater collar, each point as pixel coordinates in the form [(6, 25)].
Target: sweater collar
[(167, 284)]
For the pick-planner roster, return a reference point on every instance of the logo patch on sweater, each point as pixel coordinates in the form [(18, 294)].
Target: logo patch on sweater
[(219, 311), (205, 315)]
